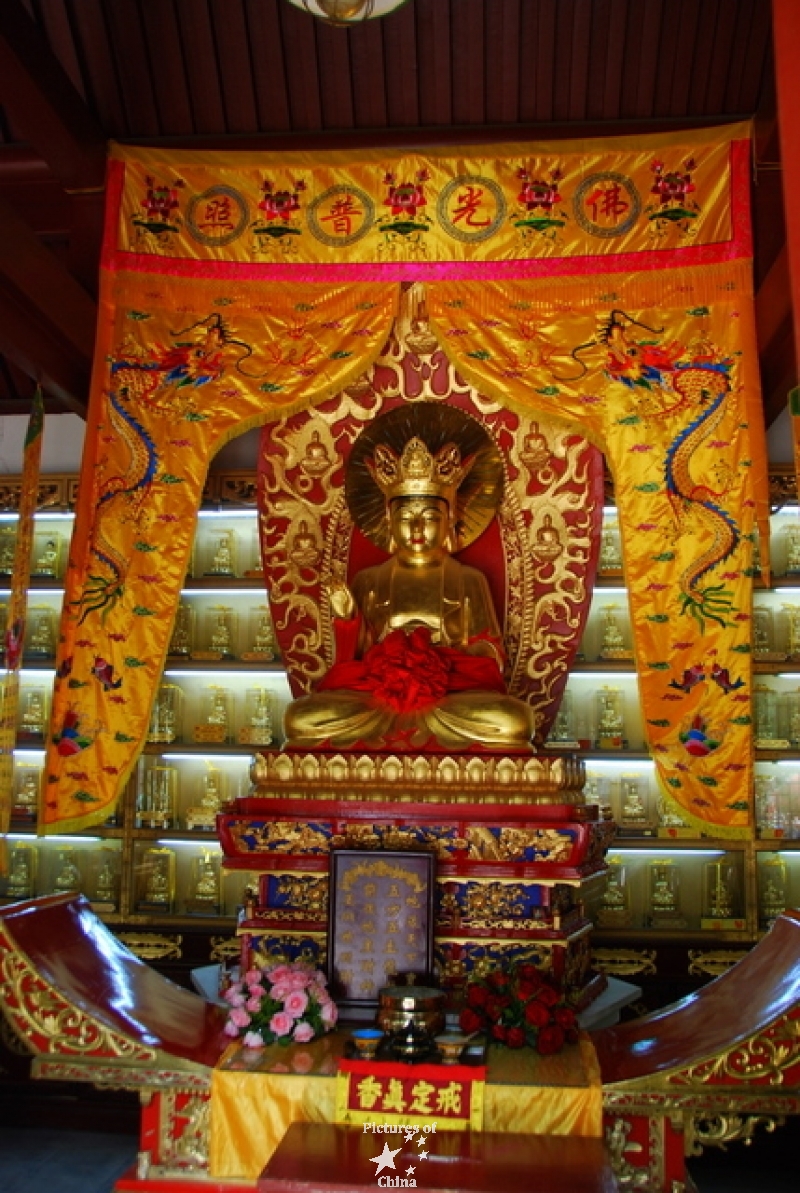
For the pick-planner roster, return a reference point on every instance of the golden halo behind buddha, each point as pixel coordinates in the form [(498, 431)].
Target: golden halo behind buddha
[(439, 429)]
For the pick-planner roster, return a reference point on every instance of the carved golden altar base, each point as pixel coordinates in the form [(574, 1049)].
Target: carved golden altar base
[(517, 853), (420, 778)]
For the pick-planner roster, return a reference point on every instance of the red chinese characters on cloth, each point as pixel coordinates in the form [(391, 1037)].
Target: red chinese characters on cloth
[(407, 672)]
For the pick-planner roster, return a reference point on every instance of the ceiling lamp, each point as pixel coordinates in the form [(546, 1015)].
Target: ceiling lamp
[(347, 12)]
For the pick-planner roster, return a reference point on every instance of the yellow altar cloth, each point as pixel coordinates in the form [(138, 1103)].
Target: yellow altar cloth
[(256, 1095)]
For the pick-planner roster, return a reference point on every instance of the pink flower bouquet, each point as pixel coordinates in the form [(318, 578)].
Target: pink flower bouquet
[(288, 1003)]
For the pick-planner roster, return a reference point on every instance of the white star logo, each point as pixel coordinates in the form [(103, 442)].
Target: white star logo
[(423, 1155), (410, 1169), (385, 1159)]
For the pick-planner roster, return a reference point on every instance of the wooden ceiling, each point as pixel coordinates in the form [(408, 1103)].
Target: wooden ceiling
[(259, 73)]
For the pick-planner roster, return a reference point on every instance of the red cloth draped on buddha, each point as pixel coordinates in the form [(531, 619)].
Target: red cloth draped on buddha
[(406, 671)]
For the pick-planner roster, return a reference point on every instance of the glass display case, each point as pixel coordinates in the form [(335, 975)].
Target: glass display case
[(157, 863)]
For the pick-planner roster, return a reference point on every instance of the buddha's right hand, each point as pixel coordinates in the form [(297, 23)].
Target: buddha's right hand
[(341, 599)]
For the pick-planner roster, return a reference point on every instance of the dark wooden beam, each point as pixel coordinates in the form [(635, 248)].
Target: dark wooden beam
[(37, 92), (48, 321), (41, 353)]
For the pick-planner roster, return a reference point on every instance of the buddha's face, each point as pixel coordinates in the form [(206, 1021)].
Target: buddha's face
[(419, 526)]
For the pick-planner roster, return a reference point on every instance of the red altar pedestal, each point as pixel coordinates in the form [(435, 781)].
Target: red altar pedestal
[(320, 1158)]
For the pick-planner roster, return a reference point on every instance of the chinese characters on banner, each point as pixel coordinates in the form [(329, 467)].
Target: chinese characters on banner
[(377, 1092)]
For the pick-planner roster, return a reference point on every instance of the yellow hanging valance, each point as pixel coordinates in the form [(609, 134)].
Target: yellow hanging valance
[(608, 282)]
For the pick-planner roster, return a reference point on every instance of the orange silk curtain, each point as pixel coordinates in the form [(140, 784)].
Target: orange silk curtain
[(606, 281), (666, 385), (182, 365)]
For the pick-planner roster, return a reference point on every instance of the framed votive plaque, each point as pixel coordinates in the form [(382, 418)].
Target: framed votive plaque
[(380, 923)]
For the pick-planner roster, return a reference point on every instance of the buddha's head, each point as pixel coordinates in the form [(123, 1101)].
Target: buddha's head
[(420, 491)]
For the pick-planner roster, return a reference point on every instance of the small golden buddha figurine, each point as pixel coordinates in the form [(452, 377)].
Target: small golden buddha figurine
[(20, 873), (792, 550), (264, 640), (46, 563), (610, 560), (106, 887), (613, 643), (792, 630), (634, 812), (68, 877), (610, 724), (42, 640), (615, 895), (8, 547), (662, 897), (180, 645), (33, 714), (222, 559), (218, 712), (664, 902), (26, 796), (719, 897), (206, 883), (157, 891), (257, 730), (203, 815), (221, 635), (418, 645)]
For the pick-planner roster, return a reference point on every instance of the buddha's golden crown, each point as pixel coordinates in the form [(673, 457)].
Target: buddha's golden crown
[(417, 472)]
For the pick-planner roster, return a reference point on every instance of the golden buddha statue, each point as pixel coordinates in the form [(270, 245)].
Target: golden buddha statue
[(20, 873), (264, 636), (221, 634), (8, 547), (106, 888), (419, 651), (68, 877), (222, 559), (33, 715), (46, 563)]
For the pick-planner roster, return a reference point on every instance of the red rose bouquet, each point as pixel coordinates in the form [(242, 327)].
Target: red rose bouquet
[(517, 1008)]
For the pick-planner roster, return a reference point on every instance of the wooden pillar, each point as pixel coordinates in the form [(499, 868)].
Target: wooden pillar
[(786, 38)]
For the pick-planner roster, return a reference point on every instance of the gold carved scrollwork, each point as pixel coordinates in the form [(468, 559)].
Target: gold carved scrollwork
[(53, 493), (291, 948), (704, 963), (224, 948), (621, 1150), (51, 1025), (305, 894), (718, 1130), (152, 946), (183, 1132), (768, 1056), (621, 963)]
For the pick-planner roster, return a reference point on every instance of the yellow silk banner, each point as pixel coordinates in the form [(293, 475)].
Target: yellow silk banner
[(605, 281), (182, 364), (492, 203), (665, 382)]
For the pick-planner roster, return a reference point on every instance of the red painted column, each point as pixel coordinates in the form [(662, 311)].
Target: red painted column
[(786, 39)]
